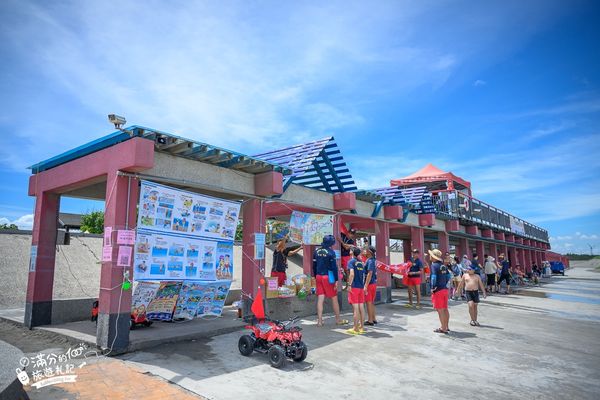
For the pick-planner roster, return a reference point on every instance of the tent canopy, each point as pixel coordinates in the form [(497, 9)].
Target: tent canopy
[(438, 179)]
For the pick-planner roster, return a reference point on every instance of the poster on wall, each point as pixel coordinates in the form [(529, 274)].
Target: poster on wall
[(310, 228), (163, 304), (199, 298), (189, 298), (167, 256), (517, 226), (168, 209), (143, 293)]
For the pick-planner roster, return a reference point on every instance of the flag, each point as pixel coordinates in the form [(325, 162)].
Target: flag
[(258, 308)]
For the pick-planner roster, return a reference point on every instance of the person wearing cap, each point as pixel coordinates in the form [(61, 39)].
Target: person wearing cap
[(472, 283), (370, 287), (356, 294), (440, 276), (325, 271), (348, 243), (490, 268), (504, 273), (280, 256), (413, 280)]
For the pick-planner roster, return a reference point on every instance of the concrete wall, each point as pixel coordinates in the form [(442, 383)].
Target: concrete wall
[(70, 310)]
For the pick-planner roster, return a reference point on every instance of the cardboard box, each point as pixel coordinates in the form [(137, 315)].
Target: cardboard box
[(271, 287)]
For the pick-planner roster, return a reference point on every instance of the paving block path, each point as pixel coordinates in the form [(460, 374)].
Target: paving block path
[(114, 380)]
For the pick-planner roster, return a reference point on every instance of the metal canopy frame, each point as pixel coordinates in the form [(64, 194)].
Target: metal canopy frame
[(417, 199), (317, 165), (171, 144)]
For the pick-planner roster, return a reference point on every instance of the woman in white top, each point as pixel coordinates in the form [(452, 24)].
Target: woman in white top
[(490, 269)]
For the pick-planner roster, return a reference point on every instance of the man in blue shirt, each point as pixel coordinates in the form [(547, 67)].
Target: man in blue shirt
[(440, 276), (325, 271), (413, 279), (370, 284), (356, 294), (504, 273)]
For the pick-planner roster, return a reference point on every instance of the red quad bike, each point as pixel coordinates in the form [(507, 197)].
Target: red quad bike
[(280, 340)]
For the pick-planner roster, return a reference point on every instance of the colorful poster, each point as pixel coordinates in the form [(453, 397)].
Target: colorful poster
[(163, 304), (517, 226), (143, 293), (107, 253), (166, 209), (164, 256), (297, 223), (124, 256), (125, 236), (224, 268), (33, 258), (259, 246), (310, 228), (190, 297), (213, 298), (108, 236)]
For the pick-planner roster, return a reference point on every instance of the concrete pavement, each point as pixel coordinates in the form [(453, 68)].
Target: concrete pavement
[(529, 346)]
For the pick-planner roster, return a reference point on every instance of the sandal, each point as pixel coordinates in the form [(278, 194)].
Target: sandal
[(351, 331), (439, 330), (342, 322), (473, 323), (408, 305), (368, 323), (477, 323)]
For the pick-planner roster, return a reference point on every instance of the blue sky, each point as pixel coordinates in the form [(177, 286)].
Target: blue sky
[(503, 93)]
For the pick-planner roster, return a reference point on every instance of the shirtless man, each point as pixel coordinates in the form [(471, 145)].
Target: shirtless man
[(472, 283)]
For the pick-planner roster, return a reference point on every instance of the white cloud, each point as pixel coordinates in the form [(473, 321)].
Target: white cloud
[(23, 222), (237, 75), (479, 82)]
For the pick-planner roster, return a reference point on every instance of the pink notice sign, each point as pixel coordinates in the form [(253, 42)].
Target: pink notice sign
[(124, 256), (125, 237), (107, 253), (108, 236)]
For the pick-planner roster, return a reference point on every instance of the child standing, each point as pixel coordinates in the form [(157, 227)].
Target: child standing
[(356, 294), (370, 284)]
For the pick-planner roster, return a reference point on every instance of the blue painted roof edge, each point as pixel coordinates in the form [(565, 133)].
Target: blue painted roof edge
[(118, 137), (83, 150)]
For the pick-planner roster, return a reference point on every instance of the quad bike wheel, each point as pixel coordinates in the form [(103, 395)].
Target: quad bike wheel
[(132, 325), (276, 356), (147, 323), (246, 345), (303, 353)]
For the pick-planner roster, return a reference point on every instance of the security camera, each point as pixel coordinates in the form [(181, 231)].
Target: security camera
[(117, 120)]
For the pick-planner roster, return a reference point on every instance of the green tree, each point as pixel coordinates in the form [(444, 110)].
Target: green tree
[(238, 231), (8, 226), (93, 222)]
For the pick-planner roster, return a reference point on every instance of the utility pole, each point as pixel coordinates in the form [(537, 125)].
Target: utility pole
[(591, 250)]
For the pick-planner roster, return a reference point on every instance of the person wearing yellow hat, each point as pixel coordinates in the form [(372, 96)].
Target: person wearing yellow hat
[(440, 276)]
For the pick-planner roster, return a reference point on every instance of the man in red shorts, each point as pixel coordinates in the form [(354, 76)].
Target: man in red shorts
[(325, 271), (440, 276), (413, 279), (370, 284), (356, 294)]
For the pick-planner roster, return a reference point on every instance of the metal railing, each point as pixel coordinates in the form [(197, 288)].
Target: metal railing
[(457, 205)]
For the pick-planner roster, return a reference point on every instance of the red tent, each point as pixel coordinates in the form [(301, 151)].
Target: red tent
[(430, 174)]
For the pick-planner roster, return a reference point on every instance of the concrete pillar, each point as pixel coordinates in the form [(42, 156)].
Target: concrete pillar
[(254, 221), (463, 248), (417, 239), (406, 249), (382, 246), (479, 250), (307, 258), (493, 250), (512, 256), (38, 302), (114, 310), (443, 241)]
